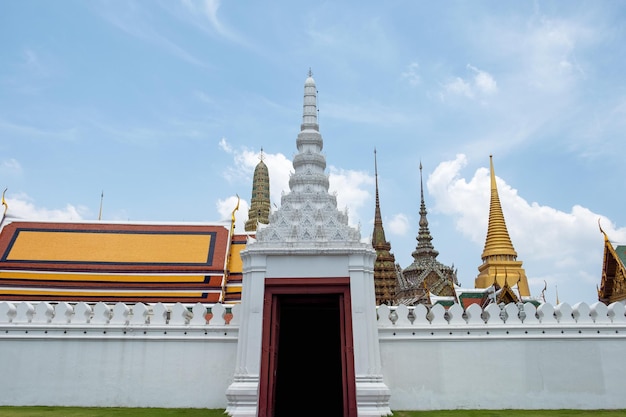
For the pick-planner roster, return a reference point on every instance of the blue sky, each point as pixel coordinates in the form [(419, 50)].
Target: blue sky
[(165, 105)]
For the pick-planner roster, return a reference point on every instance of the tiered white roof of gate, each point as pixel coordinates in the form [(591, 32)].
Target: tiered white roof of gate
[(308, 215)]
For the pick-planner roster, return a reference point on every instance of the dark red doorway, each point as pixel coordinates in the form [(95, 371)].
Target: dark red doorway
[(307, 363)]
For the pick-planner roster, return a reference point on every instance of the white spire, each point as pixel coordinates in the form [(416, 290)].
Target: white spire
[(309, 114), (308, 215)]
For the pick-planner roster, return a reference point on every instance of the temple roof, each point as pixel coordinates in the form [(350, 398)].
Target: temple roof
[(97, 261), (620, 251), (613, 280)]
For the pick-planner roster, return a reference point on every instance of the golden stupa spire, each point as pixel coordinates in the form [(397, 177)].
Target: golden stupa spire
[(498, 241), (499, 253)]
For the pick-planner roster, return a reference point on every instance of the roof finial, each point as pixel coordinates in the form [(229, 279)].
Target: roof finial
[(261, 156), (606, 238), (4, 203), (425, 248), (378, 221), (309, 116), (6, 207), (101, 201), (232, 217), (378, 236), (556, 289), (421, 184), (375, 168)]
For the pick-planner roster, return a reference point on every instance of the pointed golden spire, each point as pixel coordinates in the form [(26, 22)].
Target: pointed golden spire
[(498, 241), (499, 252)]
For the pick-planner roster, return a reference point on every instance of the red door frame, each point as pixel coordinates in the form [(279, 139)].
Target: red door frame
[(275, 287)]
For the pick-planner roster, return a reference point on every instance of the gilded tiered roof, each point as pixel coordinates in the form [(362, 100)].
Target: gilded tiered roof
[(385, 272), (500, 265), (259, 211), (425, 274), (613, 283)]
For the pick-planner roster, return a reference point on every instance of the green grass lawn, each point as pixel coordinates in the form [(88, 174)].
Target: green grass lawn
[(106, 412), (512, 413), (193, 412)]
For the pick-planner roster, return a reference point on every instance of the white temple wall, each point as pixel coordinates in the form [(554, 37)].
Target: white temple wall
[(113, 359), (568, 358), (132, 356)]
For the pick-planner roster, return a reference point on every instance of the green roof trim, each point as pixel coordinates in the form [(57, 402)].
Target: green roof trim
[(621, 253)]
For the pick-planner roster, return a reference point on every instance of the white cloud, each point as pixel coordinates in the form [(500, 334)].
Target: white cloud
[(353, 191), (32, 63), (399, 224), (14, 129), (280, 168), (134, 21), (22, 207), (555, 246), (546, 53), (458, 86), (199, 12), (225, 146), (483, 81), (411, 74), (549, 52), (480, 85), (203, 97), (367, 112), (10, 166)]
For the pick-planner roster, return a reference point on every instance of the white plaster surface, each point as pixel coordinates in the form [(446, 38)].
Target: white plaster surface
[(572, 360), (499, 362), (96, 364)]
